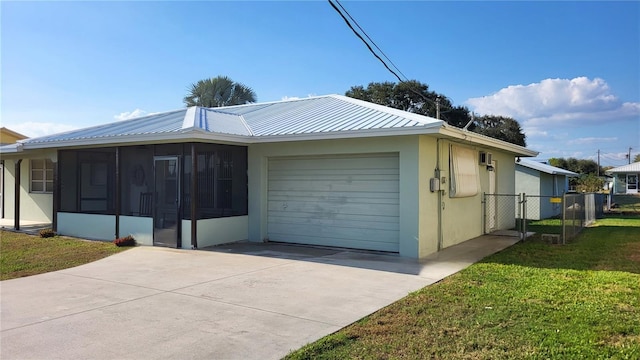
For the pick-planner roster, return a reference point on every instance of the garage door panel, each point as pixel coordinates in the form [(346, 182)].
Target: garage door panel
[(335, 163), (315, 173), (348, 201), (331, 209), (348, 243), (333, 194), (345, 233), (333, 177), (342, 221), (361, 198), (363, 219), (328, 185)]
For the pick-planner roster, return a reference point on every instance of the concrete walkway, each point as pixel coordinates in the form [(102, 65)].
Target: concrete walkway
[(242, 301)]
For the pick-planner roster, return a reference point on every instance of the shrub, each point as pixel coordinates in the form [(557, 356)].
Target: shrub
[(125, 241), (47, 233)]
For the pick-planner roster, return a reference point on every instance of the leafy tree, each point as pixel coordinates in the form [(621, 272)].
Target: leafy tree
[(580, 166), (500, 127), (219, 91), (414, 96), (589, 183), (636, 158)]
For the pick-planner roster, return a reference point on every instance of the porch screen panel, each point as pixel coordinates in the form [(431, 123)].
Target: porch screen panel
[(87, 181), (222, 181), (465, 178), (136, 180)]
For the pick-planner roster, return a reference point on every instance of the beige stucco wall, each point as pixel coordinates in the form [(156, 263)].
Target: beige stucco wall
[(33, 206), (462, 218)]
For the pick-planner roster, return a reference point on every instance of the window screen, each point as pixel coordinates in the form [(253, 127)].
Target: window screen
[(465, 180)]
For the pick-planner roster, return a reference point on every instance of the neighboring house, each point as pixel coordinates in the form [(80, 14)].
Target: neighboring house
[(7, 136), (540, 182), (327, 170), (626, 178)]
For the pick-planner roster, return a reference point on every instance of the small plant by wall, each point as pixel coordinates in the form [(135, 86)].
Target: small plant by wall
[(125, 241), (47, 233)]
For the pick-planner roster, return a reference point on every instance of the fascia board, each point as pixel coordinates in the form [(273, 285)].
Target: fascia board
[(147, 138), (345, 134), (487, 141)]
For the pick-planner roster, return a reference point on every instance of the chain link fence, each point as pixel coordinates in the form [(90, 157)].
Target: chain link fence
[(515, 211), (580, 211), (502, 212)]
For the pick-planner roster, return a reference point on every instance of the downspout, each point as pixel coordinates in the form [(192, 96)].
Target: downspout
[(194, 197), (440, 192), (16, 205), (117, 191)]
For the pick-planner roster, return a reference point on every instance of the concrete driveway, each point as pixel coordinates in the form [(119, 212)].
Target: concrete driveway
[(243, 301)]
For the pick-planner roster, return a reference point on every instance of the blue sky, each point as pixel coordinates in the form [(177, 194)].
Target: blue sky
[(569, 72)]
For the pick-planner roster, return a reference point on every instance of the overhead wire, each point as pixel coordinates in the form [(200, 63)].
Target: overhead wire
[(371, 40), (363, 40), (331, 2)]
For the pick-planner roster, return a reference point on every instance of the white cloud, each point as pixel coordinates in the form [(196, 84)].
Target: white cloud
[(592, 140), (131, 114), (550, 102), (285, 98), (36, 129)]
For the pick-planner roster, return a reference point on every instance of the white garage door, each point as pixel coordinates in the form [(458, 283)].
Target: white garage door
[(347, 201)]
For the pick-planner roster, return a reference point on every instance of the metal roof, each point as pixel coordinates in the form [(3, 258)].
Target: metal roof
[(545, 168), (630, 168), (321, 117), (330, 113)]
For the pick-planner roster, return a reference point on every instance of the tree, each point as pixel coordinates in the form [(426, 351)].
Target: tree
[(579, 166), (219, 91), (636, 158), (500, 127), (414, 96), (589, 183)]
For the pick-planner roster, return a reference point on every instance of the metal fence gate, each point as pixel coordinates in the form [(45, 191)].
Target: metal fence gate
[(515, 211)]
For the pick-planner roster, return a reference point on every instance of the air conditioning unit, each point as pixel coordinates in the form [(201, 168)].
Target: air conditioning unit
[(485, 158)]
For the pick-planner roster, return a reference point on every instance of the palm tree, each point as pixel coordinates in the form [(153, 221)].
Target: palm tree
[(219, 91)]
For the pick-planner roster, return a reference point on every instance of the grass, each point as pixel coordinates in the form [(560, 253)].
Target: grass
[(626, 203), (531, 301), (25, 255)]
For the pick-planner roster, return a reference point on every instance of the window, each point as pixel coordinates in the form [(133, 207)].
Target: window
[(41, 176), (465, 179)]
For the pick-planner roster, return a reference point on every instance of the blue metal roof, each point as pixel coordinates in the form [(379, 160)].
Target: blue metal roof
[(545, 168), (315, 115)]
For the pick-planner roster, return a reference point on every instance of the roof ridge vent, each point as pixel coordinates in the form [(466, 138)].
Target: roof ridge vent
[(190, 118)]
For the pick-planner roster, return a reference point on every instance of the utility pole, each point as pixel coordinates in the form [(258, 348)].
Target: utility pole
[(598, 162), (629, 155), (438, 107)]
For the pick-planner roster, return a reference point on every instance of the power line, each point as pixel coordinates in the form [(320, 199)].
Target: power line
[(369, 38), (363, 40), (436, 103)]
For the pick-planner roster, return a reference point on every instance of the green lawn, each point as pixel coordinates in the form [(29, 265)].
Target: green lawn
[(25, 255), (626, 203), (531, 301)]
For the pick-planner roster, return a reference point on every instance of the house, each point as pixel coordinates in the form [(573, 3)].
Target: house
[(625, 178), (327, 170), (540, 182), (7, 136)]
